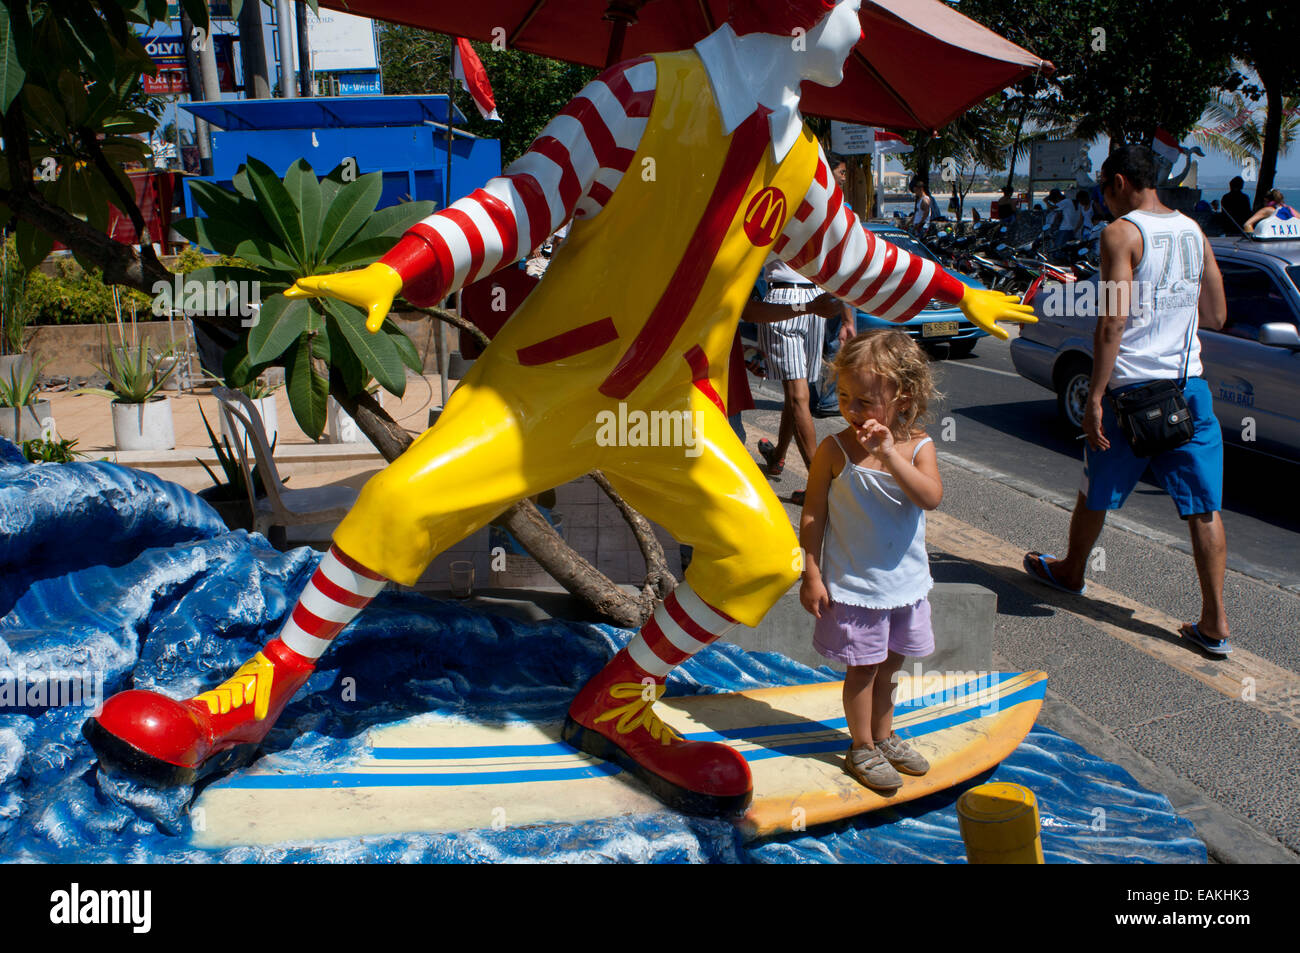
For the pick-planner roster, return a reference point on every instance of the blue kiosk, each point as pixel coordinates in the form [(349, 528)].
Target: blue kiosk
[(404, 137)]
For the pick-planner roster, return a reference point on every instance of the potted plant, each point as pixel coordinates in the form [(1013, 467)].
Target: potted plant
[(262, 393), (229, 497), (49, 450), (14, 312), (142, 418), (22, 416)]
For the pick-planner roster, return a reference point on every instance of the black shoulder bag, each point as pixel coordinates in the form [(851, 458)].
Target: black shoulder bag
[(1155, 417)]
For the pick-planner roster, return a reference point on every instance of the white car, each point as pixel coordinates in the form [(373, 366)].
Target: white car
[(1252, 365)]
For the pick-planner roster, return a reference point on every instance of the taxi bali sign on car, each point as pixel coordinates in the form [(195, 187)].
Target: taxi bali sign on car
[(1275, 227)]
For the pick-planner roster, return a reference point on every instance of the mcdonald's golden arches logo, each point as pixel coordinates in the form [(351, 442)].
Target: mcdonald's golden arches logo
[(765, 216)]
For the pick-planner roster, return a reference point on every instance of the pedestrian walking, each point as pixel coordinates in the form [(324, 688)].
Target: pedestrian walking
[(791, 321), (1146, 353)]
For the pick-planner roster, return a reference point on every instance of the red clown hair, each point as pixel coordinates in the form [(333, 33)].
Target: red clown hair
[(781, 17)]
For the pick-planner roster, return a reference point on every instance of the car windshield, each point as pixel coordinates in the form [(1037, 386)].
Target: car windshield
[(1293, 272), (907, 243)]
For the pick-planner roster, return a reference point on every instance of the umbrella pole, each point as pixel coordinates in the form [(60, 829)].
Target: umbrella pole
[(621, 13), (451, 118)]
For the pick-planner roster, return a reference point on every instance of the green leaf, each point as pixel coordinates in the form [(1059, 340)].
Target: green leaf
[(304, 188), (360, 253), (239, 181), (406, 349), (218, 233), (44, 111), (278, 207), (395, 220), (348, 212), (198, 11), (355, 377), (376, 352), (281, 322), (33, 244), (266, 254), (308, 392), (231, 206), (12, 73)]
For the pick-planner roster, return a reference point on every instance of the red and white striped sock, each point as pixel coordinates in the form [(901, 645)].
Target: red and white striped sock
[(339, 589), (681, 625)]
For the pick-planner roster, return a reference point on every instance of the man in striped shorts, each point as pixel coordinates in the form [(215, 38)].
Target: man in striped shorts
[(791, 322), (681, 172)]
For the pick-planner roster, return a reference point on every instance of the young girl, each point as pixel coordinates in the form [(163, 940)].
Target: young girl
[(866, 574)]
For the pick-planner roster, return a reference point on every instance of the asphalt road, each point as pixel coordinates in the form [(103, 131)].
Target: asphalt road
[(1009, 426), (1219, 738)]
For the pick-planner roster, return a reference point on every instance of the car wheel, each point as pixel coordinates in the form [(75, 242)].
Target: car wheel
[(1072, 383), (961, 348)]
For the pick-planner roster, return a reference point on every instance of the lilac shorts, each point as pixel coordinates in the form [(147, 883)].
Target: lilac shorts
[(856, 635)]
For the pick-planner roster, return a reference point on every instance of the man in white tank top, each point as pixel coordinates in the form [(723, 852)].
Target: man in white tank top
[(1160, 283)]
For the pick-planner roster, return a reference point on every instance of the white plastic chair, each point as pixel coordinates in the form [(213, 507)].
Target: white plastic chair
[(281, 506)]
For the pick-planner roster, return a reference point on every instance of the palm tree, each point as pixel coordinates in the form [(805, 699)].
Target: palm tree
[(1234, 127)]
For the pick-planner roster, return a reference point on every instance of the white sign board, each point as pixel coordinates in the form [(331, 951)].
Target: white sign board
[(1063, 160), (848, 139), (340, 41)]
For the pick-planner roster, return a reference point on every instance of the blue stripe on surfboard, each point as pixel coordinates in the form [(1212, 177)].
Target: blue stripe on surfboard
[(955, 693), (351, 780)]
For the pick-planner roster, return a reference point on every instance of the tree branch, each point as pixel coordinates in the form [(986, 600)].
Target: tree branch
[(659, 582), (451, 318)]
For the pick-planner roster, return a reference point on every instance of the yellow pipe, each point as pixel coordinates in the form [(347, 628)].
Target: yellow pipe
[(999, 824)]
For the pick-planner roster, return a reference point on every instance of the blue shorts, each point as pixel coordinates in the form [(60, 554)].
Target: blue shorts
[(1192, 474)]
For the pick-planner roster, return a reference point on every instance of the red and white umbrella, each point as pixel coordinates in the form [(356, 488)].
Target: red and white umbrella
[(919, 65)]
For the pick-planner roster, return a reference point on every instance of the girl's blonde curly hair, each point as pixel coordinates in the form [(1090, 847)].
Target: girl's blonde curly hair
[(895, 357)]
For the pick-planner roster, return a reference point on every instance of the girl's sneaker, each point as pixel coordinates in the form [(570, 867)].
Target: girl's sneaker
[(869, 767), (902, 755)]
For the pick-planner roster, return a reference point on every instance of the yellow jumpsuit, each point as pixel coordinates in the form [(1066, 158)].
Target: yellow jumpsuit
[(639, 307)]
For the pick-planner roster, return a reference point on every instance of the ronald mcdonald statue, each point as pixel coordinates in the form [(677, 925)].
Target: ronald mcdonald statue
[(681, 173)]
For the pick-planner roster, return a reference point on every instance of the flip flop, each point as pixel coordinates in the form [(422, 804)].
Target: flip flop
[(1038, 561), (1217, 647), (797, 497)]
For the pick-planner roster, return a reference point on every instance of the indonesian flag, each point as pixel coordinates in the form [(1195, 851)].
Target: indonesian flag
[(468, 68), (1166, 146), (888, 143)]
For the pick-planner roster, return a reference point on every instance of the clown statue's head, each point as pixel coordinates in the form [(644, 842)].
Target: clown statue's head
[(819, 34)]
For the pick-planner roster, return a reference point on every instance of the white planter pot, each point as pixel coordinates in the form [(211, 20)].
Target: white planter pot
[(342, 428), (146, 426), (266, 408), (27, 423)]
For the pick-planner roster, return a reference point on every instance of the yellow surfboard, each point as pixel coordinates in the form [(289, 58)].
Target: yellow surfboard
[(435, 773)]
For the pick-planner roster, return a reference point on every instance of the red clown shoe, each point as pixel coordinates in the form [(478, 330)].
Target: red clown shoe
[(613, 719), (166, 742)]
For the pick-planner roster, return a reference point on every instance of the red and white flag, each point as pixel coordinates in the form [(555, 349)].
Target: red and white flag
[(1167, 146), (468, 68)]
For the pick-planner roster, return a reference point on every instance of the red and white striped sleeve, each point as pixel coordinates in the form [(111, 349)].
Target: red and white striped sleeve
[(825, 242), (571, 169)]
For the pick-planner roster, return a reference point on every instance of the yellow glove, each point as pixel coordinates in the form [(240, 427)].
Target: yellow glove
[(983, 308), (372, 288)]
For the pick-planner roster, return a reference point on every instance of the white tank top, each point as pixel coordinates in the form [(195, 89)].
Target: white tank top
[(873, 554), (1159, 340)]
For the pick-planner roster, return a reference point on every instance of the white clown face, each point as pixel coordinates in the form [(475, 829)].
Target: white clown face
[(829, 44)]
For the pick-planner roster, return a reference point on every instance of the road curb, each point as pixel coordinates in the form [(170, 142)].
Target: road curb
[(1229, 838)]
